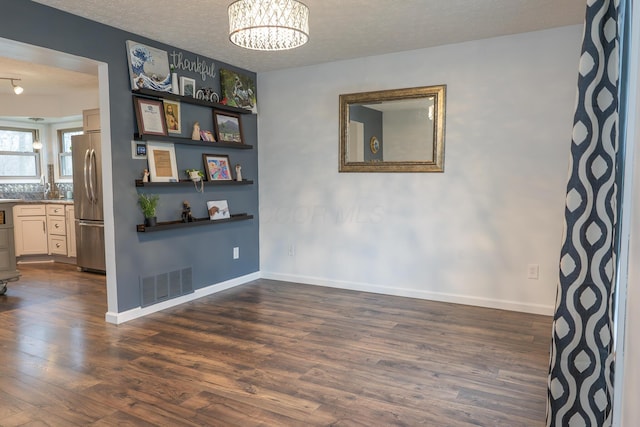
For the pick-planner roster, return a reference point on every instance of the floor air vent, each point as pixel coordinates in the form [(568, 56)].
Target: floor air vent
[(164, 286)]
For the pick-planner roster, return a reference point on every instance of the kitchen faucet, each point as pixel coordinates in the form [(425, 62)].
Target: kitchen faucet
[(46, 187)]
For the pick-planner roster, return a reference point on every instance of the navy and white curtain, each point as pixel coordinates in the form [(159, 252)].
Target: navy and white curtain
[(580, 384)]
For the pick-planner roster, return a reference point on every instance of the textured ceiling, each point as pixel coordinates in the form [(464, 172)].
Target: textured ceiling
[(339, 29)]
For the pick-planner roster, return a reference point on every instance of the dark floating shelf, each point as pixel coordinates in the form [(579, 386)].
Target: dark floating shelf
[(188, 182), (190, 100), (141, 228), (189, 141)]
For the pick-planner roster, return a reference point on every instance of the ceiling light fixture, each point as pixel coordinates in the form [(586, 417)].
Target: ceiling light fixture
[(268, 24), (16, 89), (37, 144)]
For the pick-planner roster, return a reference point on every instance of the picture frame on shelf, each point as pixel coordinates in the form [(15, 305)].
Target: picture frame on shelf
[(218, 209), (172, 116), (217, 167), (150, 117), (187, 86), (161, 157), (148, 67), (228, 127)]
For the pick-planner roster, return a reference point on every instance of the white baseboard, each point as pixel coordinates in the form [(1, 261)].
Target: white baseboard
[(546, 310), (135, 313)]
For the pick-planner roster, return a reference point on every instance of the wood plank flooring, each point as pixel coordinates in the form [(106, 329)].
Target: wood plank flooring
[(264, 354)]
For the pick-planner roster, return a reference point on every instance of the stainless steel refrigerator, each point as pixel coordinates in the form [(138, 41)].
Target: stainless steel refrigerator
[(87, 196)]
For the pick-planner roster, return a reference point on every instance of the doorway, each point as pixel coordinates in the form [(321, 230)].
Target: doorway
[(70, 83)]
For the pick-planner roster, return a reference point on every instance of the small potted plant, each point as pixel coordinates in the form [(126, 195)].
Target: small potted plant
[(148, 203), (195, 175)]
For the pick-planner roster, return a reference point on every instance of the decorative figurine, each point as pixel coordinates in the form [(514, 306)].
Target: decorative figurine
[(238, 172), (195, 135), (145, 175), (186, 212)]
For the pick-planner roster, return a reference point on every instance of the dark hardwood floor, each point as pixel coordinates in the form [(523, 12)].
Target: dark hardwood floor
[(264, 354)]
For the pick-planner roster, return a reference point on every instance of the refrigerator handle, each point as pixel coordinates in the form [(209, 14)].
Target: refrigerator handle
[(92, 175), (90, 224), (87, 155)]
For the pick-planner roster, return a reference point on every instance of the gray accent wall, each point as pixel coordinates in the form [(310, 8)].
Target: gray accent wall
[(206, 249), (372, 120)]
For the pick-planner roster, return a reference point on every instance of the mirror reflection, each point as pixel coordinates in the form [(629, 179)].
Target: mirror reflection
[(400, 130)]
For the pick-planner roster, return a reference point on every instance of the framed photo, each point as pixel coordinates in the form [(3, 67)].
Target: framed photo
[(162, 162), (217, 167), (238, 90), (172, 116), (148, 67), (218, 209), (187, 86), (150, 117), (227, 126)]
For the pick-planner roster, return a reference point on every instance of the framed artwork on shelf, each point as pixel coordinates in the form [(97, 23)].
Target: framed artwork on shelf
[(238, 90), (150, 117), (227, 126), (217, 167), (172, 116), (162, 162), (148, 67), (218, 209), (187, 86)]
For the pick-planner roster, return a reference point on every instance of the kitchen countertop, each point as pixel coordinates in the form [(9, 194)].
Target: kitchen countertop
[(38, 202)]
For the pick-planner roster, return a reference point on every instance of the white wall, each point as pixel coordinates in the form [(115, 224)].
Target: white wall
[(407, 135), (466, 235)]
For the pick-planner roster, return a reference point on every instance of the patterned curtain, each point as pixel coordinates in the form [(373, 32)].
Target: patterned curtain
[(580, 384)]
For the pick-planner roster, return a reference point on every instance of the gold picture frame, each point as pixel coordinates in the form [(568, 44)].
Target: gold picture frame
[(172, 116)]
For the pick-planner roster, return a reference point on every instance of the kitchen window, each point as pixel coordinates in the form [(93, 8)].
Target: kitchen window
[(64, 151), (18, 159)]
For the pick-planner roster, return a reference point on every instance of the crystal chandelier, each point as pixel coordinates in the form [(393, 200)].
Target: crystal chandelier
[(268, 24)]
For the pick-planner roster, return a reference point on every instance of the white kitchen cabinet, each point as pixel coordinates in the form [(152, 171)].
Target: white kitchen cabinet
[(30, 229), (57, 227), (71, 231), (91, 120)]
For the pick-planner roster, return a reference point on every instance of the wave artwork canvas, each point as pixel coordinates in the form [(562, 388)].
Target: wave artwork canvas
[(148, 67)]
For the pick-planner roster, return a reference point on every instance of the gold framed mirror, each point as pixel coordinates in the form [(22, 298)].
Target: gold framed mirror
[(397, 130)]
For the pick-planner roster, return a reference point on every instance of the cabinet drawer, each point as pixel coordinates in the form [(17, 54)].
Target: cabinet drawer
[(29, 210), (58, 245), (55, 210), (57, 225)]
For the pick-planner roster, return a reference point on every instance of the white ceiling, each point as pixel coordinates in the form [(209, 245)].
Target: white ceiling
[(338, 29)]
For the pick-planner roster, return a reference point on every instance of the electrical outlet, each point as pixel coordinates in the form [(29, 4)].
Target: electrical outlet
[(236, 252), (292, 250), (533, 271)]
